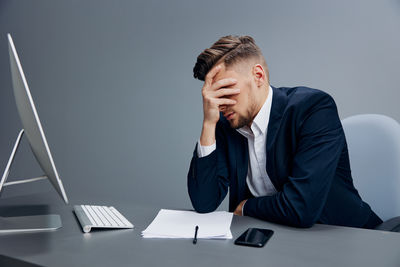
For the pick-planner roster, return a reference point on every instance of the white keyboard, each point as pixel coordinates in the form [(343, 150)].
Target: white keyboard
[(91, 216)]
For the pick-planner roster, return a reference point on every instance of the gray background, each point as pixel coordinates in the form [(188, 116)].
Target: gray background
[(112, 81)]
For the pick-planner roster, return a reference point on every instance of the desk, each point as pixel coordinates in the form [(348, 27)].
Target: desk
[(321, 245)]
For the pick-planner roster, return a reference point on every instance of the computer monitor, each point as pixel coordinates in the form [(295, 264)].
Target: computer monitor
[(39, 146)]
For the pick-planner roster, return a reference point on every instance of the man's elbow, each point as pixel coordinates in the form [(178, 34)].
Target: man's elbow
[(203, 210), (306, 221), (202, 205), (305, 224)]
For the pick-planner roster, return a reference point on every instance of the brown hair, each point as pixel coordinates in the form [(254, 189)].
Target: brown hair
[(229, 49)]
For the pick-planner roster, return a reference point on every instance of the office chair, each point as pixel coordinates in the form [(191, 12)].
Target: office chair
[(374, 149)]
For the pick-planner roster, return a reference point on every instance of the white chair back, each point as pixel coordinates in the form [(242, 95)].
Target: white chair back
[(374, 149)]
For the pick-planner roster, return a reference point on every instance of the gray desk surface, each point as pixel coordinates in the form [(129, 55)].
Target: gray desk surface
[(321, 245)]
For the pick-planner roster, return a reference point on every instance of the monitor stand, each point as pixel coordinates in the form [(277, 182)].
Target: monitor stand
[(22, 224)]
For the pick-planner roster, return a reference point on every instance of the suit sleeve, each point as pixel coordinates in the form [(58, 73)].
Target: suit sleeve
[(208, 177), (320, 142)]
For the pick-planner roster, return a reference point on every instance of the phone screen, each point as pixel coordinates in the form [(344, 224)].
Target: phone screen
[(254, 237)]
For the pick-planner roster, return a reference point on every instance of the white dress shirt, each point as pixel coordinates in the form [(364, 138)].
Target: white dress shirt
[(257, 178)]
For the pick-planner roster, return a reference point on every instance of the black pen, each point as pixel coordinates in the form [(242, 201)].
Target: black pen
[(195, 234)]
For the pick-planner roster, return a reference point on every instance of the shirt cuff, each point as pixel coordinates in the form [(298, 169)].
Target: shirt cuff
[(203, 151)]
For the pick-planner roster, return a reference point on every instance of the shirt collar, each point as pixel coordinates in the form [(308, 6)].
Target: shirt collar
[(260, 122)]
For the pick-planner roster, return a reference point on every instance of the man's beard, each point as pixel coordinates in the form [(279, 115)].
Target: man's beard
[(241, 122), (245, 120)]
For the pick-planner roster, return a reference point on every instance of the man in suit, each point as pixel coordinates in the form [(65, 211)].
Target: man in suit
[(281, 151)]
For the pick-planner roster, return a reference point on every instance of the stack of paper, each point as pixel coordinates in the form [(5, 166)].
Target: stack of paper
[(182, 224)]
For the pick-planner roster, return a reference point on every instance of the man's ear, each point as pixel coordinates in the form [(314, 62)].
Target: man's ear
[(259, 75)]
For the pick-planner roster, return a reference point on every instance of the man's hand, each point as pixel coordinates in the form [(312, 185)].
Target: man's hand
[(213, 98), (239, 209)]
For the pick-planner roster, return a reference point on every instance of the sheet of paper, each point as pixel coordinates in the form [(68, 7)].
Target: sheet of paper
[(181, 224)]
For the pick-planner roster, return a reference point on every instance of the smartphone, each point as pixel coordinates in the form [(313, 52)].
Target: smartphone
[(8, 261), (254, 237)]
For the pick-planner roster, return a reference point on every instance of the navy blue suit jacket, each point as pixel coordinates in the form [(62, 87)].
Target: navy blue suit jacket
[(307, 162)]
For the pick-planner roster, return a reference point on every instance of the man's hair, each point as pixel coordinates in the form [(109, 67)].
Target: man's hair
[(228, 49)]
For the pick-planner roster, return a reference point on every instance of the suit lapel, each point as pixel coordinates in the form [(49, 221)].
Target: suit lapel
[(241, 152), (242, 161), (279, 102)]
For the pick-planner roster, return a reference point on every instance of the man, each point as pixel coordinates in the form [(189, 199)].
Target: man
[(281, 151)]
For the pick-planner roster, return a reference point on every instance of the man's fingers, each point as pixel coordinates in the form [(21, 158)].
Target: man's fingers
[(225, 101), (211, 74), (226, 92), (223, 83)]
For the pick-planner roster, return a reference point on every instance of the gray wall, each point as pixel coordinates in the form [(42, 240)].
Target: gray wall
[(112, 80)]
